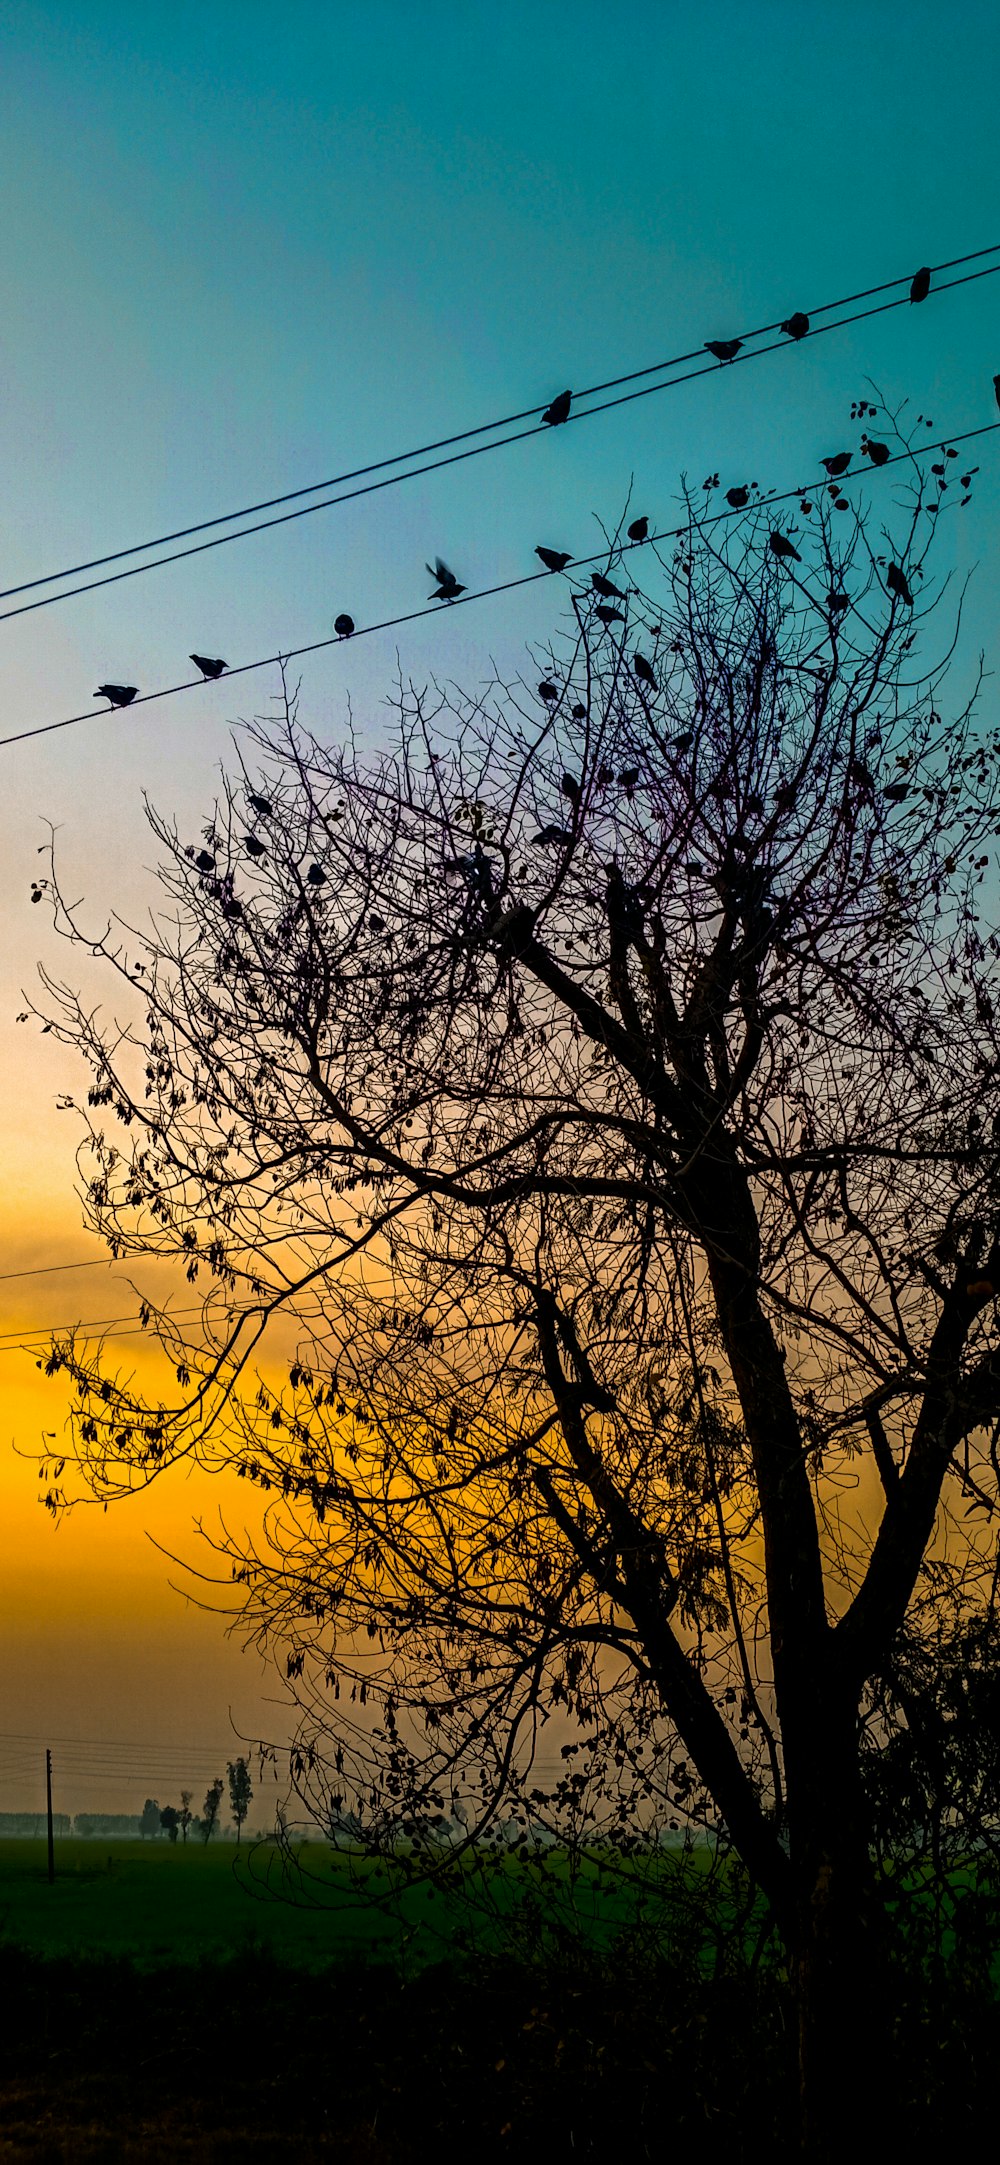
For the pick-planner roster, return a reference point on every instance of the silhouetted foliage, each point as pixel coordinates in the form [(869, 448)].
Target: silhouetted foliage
[(240, 1791), (210, 1812), (636, 1199)]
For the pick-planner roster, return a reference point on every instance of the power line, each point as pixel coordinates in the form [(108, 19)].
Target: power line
[(44, 1270), (455, 457), (506, 586)]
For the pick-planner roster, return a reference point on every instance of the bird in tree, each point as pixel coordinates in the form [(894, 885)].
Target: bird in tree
[(608, 614), (606, 587), (684, 742), (559, 410), (921, 285), (548, 691), (724, 349), (204, 861), (552, 833), (738, 498), (579, 713), (838, 464), (344, 625), (781, 546), (898, 584), (554, 559), (316, 875), (262, 805), (876, 452), (796, 326), (253, 847), (644, 670), (571, 789), (447, 584), (120, 695), (639, 530), (836, 601), (208, 666)]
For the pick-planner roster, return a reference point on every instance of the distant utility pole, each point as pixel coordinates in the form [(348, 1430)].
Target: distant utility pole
[(48, 1808)]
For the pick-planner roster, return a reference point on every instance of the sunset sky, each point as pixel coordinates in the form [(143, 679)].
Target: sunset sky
[(245, 248)]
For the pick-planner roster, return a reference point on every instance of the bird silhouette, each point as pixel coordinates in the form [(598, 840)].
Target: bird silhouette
[(796, 326), (554, 559), (606, 587), (344, 625), (628, 778), (120, 695), (644, 670), (782, 547), (739, 498), (252, 846), (996, 389), (878, 453), (548, 691), (316, 875), (639, 530), (204, 861), (836, 600), (897, 792), (447, 584), (208, 667), (559, 410), (921, 284), (262, 805), (838, 464), (552, 833), (724, 349), (579, 713), (684, 742), (607, 614), (897, 583), (570, 788)]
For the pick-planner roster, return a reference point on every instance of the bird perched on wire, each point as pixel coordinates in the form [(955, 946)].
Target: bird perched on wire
[(639, 530), (738, 498), (559, 410), (921, 285), (898, 584), (208, 667), (876, 452), (120, 695), (553, 559), (644, 670), (781, 546), (606, 587), (838, 464), (344, 625), (724, 349), (796, 326), (447, 584), (608, 614)]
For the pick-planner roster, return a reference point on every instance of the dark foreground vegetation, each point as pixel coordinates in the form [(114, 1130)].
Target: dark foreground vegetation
[(251, 2058)]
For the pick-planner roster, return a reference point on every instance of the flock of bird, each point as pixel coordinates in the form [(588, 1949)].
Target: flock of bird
[(448, 588)]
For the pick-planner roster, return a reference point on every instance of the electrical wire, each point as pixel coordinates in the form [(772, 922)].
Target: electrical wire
[(458, 457), (506, 586), (444, 443)]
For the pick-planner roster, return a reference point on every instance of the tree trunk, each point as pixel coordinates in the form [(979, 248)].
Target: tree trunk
[(841, 1976)]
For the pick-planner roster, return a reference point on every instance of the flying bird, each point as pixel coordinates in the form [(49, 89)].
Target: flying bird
[(838, 464), (796, 326), (208, 667), (639, 530), (897, 583), (120, 695), (607, 614), (447, 584), (738, 498), (548, 691), (878, 453), (552, 833), (606, 587), (783, 547), (559, 409), (921, 284), (344, 625), (724, 349), (571, 789), (554, 559), (644, 670)]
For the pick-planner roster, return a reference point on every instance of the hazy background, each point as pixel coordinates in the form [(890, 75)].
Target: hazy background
[(245, 247)]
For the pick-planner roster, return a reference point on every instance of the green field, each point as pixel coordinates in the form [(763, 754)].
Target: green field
[(158, 1904)]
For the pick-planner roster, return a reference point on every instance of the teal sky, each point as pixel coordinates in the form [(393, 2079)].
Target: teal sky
[(246, 246)]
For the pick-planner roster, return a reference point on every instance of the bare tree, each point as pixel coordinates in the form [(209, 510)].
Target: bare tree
[(604, 1081)]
